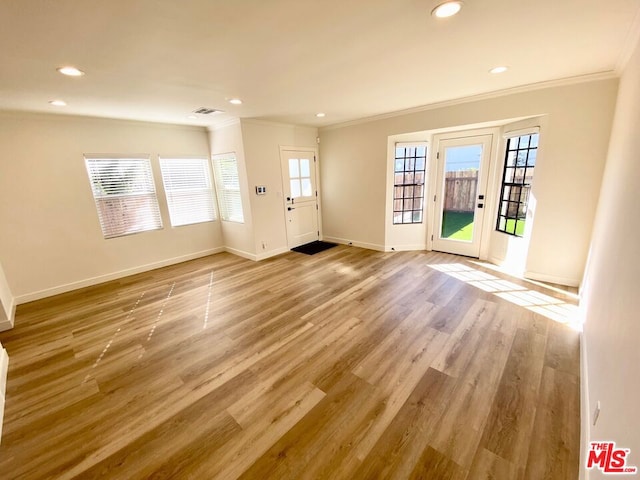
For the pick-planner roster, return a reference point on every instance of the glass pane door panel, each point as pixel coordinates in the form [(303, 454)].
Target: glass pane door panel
[(294, 172), (307, 191), (461, 169), (304, 167), (295, 188)]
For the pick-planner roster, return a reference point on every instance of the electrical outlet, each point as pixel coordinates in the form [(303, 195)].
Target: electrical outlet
[(264, 245), (596, 413)]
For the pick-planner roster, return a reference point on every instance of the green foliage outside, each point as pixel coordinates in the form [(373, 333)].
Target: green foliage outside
[(459, 226), (519, 227)]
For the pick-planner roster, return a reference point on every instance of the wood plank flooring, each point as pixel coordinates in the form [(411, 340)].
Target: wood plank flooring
[(349, 364)]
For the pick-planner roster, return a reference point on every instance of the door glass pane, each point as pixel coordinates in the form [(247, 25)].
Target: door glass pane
[(531, 159), (461, 168), (293, 168), (521, 159), (410, 164), (304, 167), (524, 141), (295, 188), (306, 187)]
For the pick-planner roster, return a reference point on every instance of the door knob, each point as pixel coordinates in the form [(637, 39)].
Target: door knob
[(290, 208)]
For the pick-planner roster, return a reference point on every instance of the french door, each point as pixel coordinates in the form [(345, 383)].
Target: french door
[(460, 194)]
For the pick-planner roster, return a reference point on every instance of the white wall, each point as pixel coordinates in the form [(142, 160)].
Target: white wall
[(238, 237), (353, 173), (7, 303), (354, 162), (262, 142), (610, 295), (51, 239)]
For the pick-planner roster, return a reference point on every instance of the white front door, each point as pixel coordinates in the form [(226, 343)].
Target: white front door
[(299, 179), (462, 174)]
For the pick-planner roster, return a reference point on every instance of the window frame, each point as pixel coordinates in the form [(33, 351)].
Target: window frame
[(202, 206), (224, 192), (523, 185), (127, 204), (409, 173)]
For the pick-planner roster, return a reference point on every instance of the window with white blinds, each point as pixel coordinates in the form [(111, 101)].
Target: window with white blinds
[(228, 187), (187, 185), (125, 195)]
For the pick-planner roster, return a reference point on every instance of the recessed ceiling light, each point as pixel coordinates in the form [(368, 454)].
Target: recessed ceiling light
[(58, 103), (70, 71), (499, 69), (447, 9), (320, 115), (192, 117), (235, 101)]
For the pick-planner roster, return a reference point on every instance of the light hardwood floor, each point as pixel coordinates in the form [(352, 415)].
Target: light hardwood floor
[(349, 364)]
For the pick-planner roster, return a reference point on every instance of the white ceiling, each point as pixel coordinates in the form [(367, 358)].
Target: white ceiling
[(159, 60)]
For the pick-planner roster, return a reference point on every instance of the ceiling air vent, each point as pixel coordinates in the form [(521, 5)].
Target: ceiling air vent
[(207, 111)]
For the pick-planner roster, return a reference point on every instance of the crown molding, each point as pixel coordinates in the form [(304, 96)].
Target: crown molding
[(224, 124), (260, 121), (630, 44), (592, 77), (74, 117)]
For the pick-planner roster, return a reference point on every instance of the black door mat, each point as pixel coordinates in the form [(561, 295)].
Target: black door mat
[(314, 247)]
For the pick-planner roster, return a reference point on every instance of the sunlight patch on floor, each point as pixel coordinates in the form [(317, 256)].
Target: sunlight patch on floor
[(550, 307), (113, 337), (206, 313)]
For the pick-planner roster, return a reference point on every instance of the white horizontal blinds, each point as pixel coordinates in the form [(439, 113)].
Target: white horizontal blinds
[(125, 195), (228, 187), (187, 185)]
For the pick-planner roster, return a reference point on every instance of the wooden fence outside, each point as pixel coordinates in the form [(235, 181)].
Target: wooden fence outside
[(460, 191)]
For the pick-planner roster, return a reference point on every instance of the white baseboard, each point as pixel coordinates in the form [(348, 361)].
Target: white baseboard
[(49, 292), (495, 260), (241, 253), (405, 248), (272, 253), (6, 324), (355, 243), (4, 368), (569, 282), (7, 318), (585, 410)]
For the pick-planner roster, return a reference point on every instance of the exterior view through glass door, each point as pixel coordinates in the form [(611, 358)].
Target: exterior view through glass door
[(301, 196), (460, 194)]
